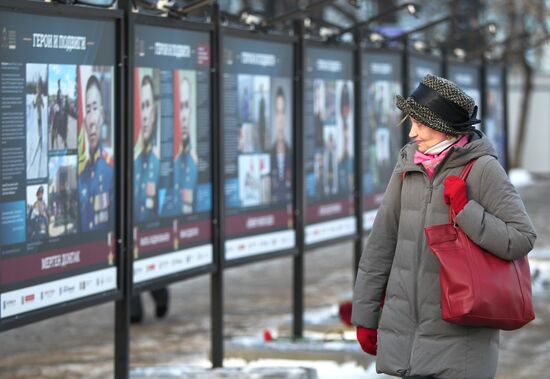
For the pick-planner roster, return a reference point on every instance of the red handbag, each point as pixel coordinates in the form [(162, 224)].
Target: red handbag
[(477, 287)]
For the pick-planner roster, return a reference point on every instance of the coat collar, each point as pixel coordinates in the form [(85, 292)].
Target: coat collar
[(478, 146)]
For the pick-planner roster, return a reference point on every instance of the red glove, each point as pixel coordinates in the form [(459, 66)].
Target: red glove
[(367, 339), (345, 312), (455, 193)]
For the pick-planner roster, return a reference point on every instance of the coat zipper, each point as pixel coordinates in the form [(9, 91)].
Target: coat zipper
[(417, 262), (430, 193)]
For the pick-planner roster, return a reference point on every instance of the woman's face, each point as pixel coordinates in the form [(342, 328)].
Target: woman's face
[(424, 136)]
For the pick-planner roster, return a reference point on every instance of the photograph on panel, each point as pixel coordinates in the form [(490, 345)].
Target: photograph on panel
[(319, 117), (344, 122), (331, 141), (253, 176), (38, 212), (249, 120), (62, 107), (96, 181), (146, 144), (385, 138), (280, 143), (333, 120), (36, 90), (178, 195), (62, 195), (255, 133)]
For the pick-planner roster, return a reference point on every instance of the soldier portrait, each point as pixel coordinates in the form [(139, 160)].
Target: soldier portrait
[(146, 157), (345, 125), (281, 152), (95, 179), (185, 164)]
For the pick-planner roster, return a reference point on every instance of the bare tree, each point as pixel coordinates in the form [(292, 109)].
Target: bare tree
[(521, 17), (536, 10)]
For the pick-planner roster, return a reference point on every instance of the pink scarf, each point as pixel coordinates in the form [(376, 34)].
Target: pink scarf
[(431, 160)]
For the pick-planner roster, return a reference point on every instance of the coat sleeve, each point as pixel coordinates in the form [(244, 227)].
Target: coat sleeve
[(377, 258), (498, 222)]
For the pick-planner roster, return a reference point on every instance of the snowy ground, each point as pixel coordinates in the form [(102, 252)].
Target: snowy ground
[(264, 368), (520, 178), (267, 368)]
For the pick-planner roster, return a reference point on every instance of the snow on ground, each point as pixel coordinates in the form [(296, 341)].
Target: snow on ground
[(316, 343), (520, 177), (263, 368), (325, 369), (540, 275), (539, 254), (320, 315)]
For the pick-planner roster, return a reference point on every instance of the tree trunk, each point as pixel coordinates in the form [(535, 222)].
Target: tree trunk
[(524, 112)]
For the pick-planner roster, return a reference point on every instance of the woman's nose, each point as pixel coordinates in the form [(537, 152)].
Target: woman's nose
[(412, 132)]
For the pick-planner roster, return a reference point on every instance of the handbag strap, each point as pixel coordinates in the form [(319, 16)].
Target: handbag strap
[(463, 175), (466, 169)]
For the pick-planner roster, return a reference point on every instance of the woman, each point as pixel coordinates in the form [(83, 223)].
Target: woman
[(398, 269)]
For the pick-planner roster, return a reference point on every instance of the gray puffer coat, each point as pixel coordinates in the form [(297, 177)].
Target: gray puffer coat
[(412, 337)]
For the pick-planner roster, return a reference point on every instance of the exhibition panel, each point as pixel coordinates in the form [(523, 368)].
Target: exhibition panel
[(171, 144), (382, 135), (329, 156), (258, 145), (60, 123)]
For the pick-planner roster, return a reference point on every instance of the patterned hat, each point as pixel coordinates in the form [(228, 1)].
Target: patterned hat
[(441, 105)]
